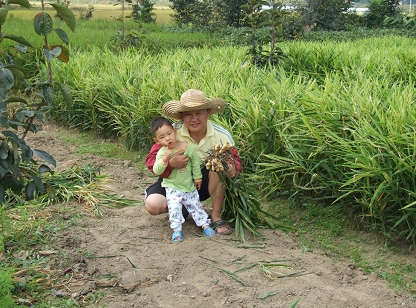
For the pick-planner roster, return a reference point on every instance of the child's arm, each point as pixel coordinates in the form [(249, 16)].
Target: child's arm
[(195, 166), (161, 161)]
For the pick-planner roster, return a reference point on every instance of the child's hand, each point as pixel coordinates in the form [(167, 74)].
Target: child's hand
[(166, 156), (198, 184)]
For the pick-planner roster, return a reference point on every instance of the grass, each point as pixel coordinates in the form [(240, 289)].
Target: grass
[(87, 143), (101, 12)]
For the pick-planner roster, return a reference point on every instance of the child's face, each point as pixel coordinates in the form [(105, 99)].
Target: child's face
[(166, 136)]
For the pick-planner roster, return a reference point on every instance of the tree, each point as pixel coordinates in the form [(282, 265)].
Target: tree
[(183, 11), (379, 10), (143, 11), (233, 13), (331, 14)]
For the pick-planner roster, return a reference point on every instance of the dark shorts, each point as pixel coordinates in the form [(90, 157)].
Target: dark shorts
[(156, 188)]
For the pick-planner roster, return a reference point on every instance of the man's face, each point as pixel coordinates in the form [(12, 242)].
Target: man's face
[(196, 121)]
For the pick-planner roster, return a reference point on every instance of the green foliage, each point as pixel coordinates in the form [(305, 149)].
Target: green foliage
[(6, 286), (88, 14), (379, 10), (146, 12), (123, 41), (233, 14), (329, 14), (183, 11), (14, 152), (272, 19)]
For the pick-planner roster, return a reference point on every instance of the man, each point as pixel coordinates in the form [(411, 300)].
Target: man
[(193, 110)]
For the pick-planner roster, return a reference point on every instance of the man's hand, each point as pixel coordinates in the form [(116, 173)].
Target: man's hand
[(179, 160), (232, 171)]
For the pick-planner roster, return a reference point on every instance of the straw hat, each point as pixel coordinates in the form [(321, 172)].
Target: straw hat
[(192, 100)]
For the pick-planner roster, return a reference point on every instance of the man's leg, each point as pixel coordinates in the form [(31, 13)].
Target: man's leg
[(217, 197), (156, 204), (155, 198), (156, 201)]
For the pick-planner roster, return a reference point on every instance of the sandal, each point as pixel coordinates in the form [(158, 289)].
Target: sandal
[(222, 223), (208, 231), (177, 236)]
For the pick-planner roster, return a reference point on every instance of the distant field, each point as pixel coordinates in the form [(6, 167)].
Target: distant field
[(101, 11)]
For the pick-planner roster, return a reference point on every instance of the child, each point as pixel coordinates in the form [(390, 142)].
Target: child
[(182, 184)]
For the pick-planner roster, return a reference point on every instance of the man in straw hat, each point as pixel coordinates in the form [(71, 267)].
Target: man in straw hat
[(193, 110)]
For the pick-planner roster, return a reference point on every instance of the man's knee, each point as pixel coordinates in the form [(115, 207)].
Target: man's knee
[(156, 205)]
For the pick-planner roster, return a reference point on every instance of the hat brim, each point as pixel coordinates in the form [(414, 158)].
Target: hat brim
[(173, 109)]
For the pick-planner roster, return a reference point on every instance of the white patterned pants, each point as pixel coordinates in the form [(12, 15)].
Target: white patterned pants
[(175, 199)]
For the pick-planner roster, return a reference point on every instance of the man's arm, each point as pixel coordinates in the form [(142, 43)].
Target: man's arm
[(151, 159)]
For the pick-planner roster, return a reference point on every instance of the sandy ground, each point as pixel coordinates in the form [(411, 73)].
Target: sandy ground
[(128, 260)]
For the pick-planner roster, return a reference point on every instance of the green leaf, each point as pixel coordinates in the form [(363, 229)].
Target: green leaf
[(43, 24), (12, 135), (66, 14), (50, 55), (6, 79), (47, 91), (22, 49), (3, 171), (4, 121), (63, 55), (66, 92), (62, 35), (18, 39), (45, 156), (22, 113), (16, 100), (43, 168), (24, 3), (4, 150), (3, 15), (14, 184), (39, 184), (30, 190), (16, 70), (40, 116), (27, 153)]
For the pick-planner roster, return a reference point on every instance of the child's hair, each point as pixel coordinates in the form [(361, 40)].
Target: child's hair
[(158, 123)]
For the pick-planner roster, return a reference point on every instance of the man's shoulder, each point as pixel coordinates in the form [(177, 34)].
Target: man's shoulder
[(220, 130)]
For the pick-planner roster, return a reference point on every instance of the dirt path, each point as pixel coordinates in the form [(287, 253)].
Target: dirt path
[(127, 256)]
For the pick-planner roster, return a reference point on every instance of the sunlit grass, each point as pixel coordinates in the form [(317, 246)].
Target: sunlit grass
[(101, 11)]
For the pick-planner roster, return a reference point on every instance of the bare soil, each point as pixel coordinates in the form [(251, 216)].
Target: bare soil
[(127, 257)]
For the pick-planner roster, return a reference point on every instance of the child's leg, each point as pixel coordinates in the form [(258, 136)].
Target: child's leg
[(174, 199), (194, 207)]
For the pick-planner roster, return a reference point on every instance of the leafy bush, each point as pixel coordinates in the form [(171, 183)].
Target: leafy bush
[(379, 10), (15, 154)]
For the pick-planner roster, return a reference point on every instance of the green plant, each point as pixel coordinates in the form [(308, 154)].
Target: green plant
[(146, 11), (123, 41), (379, 10), (15, 154), (329, 14), (257, 54), (88, 14), (6, 286)]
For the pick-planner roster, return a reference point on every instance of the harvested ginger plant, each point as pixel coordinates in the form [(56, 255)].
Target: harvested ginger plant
[(241, 206)]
